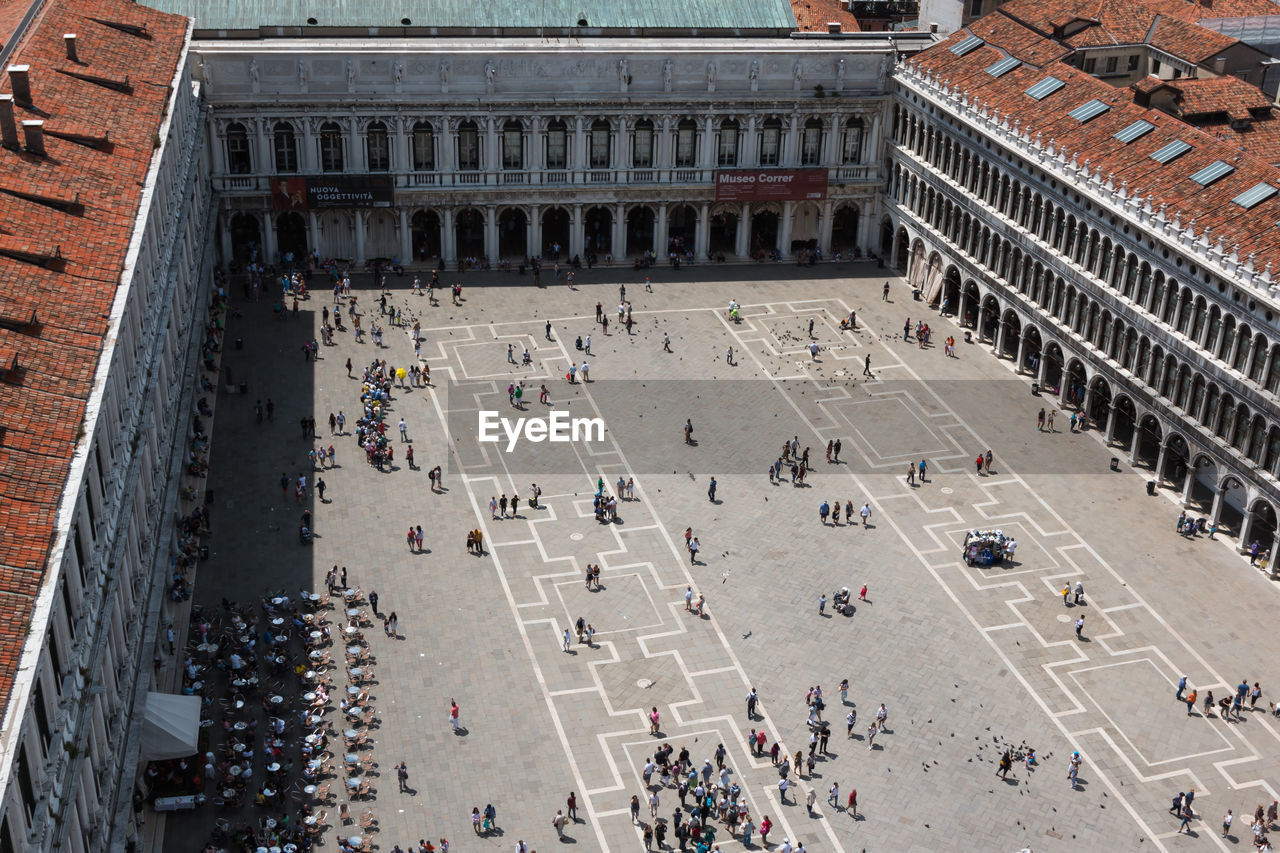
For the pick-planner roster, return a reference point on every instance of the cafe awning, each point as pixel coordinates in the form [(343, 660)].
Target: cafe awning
[(170, 726)]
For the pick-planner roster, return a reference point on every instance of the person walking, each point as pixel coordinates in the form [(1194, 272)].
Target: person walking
[(866, 515), (852, 806), (1176, 808), (571, 804), (822, 604), (1226, 823), (558, 822), (453, 715), (711, 490), (1186, 820), (1191, 701), (1079, 628), (402, 775), (809, 799), (1006, 764), (833, 795), (866, 366)]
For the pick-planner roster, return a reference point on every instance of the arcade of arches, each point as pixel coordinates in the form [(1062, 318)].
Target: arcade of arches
[(425, 235)]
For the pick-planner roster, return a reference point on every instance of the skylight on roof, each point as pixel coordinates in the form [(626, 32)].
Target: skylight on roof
[(1137, 130), (1045, 88), (1089, 110), (1251, 198), (968, 45), (1176, 148), (1004, 66), (1215, 170)]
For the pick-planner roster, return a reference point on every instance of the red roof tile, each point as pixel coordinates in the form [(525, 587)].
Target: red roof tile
[(42, 406), (812, 16), (1255, 230)]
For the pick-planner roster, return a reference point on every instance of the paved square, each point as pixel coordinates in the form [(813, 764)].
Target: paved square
[(968, 660)]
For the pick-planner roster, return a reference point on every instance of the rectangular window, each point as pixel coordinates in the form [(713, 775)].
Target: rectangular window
[(727, 149), (770, 146), (512, 149), (1257, 195), (1045, 88), (967, 45), (286, 152), (600, 147), (1171, 151), (686, 147), (1134, 131), (42, 715), (1088, 110), (852, 149), (424, 150), (379, 150), (1090, 65), (1213, 172), (1112, 63), (557, 148), (1004, 66), (642, 148), (1155, 67), (1133, 62), (55, 657), (975, 8), (468, 148), (26, 787), (811, 146)]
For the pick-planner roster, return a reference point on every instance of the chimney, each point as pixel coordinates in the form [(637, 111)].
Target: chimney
[(933, 28), (34, 131), (833, 27), (70, 40), (1220, 65), (8, 129), (21, 82)]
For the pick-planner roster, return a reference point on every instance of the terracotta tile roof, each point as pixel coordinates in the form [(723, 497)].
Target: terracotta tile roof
[(1170, 25), (1255, 230), (65, 224), (1230, 95), (1019, 41), (812, 16)]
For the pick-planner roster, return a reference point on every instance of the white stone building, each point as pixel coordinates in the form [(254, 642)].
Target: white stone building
[(1121, 258), (503, 147), (102, 268)]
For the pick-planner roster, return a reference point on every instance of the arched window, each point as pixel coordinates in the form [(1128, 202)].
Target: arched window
[(239, 162), (557, 145), (727, 143), (513, 145), (811, 143), (601, 141), (686, 144), (331, 159), (468, 146), (286, 147), (771, 142), (377, 148), (642, 145), (423, 147)]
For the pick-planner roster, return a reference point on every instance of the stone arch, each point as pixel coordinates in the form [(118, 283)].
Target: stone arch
[(1009, 336), (513, 233), (1176, 456), (1031, 349), (1261, 526), (1123, 422), (1146, 451), (641, 223), (1052, 367), (1098, 402), (989, 320), (1076, 383)]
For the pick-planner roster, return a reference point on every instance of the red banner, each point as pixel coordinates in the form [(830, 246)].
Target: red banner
[(771, 185)]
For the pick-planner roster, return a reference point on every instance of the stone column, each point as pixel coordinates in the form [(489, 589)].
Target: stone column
[(999, 342), (1160, 460), (445, 160), (400, 159), (743, 243), (784, 229), (702, 233), (491, 161), (1022, 360), (406, 238), (579, 159), (448, 236), (619, 232), (309, 161), (709, 143), (533, 246), (268, 239), (660, 232), (623, 160), (575, 230), (750, 152), (354, 159), (1188, 485), (664, 147), (1215, 513), (866, 215), (359, 222), (224, 236), (825, 213), (313, 232), (263, 164), (791, 153), (536, 155), (491, 232), (219, 151)]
